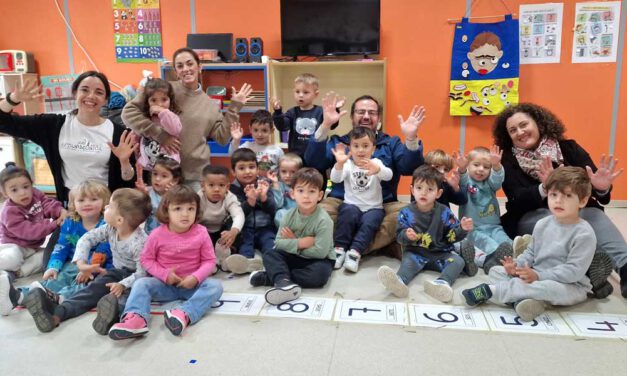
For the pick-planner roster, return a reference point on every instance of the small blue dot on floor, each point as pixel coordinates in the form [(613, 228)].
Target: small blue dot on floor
[(193, 361)]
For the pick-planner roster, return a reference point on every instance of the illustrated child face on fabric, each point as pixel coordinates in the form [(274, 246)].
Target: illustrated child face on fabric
[(287, 169), (19, 190), (162, 179), (565, 205), (479, 167), (304, 95), (485, 53), (261, 133), (215, 187), (306, 197), (425, 193), (89, 207), (362, 148), (159, 98), (246, 172), (181, 216)]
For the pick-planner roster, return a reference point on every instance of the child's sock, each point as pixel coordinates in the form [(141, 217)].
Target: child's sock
[(477, 295), (480, 259)]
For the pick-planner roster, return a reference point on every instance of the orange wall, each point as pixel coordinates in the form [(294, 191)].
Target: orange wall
[(415, 38)]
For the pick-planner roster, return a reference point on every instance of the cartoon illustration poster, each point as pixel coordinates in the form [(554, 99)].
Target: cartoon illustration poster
[(484, 67), (137, 31), (596, 32), (540, 33)]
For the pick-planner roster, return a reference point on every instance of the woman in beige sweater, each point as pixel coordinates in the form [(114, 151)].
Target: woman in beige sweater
[(201, 118)]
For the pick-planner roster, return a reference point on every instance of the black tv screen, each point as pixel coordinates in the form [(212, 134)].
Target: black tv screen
[(329, 27)]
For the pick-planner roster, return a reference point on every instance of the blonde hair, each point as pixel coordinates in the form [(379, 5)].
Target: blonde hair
[(438, 157), (476, 151), (292, 157), (89, 188), (307, 79)]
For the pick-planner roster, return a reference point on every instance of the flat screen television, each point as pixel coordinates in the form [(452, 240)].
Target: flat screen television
[(330, 27)]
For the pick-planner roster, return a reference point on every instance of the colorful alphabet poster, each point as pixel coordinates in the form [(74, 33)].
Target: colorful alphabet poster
[(137, 31), (540, 33), (484, 67), (596, 32)]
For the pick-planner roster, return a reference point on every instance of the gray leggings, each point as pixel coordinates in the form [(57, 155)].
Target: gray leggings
[(447, 263), (609, 238), (512, 289)]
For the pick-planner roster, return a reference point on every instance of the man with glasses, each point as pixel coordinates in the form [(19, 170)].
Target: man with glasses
[(402, 158)]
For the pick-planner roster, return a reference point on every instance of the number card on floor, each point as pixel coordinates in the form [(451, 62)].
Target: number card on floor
[(304, 308), (238, 304), (506, 320), (371, 312), (452, 317), (597, 324)]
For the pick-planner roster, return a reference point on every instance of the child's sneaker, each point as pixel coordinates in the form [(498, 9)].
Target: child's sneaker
[(222, 252), (176, 321), (284, 291), (477, 295), (259, 278), (467, 252), (439, 289), (10, 297), (51, 294), (41, 307), (132, 325), (352, 261), (529, 309), (520, 244), (392, 282), (107, 314), (493, 259), (340, 256), (600, 269), (238, 264)]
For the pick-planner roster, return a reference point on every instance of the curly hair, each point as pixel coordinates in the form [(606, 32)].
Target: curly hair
[(548, 124)]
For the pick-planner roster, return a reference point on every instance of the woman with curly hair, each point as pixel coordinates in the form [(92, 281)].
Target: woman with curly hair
[(533, 143)]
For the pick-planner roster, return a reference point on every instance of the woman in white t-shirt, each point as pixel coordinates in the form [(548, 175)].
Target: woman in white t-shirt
[(79, 145)]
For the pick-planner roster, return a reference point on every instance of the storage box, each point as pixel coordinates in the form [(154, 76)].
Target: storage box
[(218, 150), (37, 166)]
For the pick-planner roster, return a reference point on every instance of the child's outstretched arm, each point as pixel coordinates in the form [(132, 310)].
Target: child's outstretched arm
[(14, 222), (170, 122), (64, 248)]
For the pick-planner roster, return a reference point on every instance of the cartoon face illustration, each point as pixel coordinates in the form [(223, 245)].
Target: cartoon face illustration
[(485, 53), (361, 179), (151, 149), (305, 126)]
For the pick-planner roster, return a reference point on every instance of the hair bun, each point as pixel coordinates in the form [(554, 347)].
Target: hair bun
[(10, 165)]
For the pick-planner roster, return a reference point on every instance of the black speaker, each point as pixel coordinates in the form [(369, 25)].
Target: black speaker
[(241, 50), (256, 50)]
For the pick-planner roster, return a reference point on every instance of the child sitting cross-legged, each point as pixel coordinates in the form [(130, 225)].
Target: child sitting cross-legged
[(179, 257), (426, 231), (259, 207), (304, 255), (221, 211), (553, 267)]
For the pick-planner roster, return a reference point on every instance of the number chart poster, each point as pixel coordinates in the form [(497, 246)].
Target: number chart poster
[(484, 67), (596, 32), (137, 31), (540, 33)]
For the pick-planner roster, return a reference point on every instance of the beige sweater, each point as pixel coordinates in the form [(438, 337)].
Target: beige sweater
[(201, 119), (214, 215)]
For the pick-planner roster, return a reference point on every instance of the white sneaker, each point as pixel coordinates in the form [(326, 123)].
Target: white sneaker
[(439, 289), (340, 256), (352, 261), (238, 264), (392, 282), (520, 244), (529, 309)]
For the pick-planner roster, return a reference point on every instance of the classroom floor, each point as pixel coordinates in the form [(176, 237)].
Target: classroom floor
[(231, 345)]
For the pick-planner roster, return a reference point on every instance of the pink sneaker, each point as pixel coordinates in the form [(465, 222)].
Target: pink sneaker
[(176, 320), (132, 325)]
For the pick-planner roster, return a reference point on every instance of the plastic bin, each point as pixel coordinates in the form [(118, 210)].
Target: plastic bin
[(218, 150), (37, 166)]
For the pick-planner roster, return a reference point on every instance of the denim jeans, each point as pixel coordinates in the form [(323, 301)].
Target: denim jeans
[(197, 300)]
